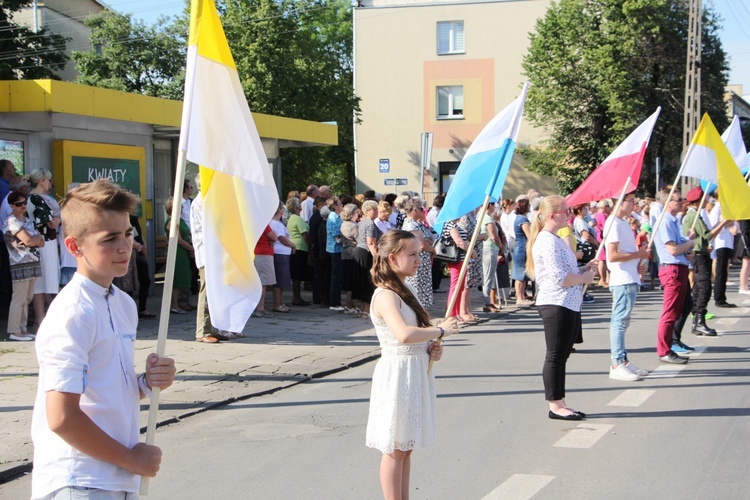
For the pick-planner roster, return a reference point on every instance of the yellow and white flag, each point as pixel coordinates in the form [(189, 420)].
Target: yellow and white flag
[(708, 153), (239, 194)]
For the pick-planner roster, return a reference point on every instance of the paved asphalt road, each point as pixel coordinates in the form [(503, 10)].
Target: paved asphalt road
[(681, 433)]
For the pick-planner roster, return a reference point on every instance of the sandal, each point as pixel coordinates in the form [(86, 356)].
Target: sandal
[(281, 309), (208, 339), (469, 321), (146, 315), (490, 309)]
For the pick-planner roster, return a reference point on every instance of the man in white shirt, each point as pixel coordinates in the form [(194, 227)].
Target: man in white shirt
[(625, 270), (187, 190), (309, 202), (437, 205), (723, 246), (204, 331)]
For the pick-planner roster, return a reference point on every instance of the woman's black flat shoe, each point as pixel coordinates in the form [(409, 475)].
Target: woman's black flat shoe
[(572, 416)]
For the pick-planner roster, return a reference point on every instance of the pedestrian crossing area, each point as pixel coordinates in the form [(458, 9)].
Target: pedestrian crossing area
[(586, 434)]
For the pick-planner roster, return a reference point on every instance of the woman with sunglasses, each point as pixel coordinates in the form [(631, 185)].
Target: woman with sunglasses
[(22, 240)]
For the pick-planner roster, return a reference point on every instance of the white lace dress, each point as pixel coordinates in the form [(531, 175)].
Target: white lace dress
[(402, 401)]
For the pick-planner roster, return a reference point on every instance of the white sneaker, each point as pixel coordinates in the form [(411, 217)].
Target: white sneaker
[(634, 369), (622, 373), (337, 308), (744, 292)]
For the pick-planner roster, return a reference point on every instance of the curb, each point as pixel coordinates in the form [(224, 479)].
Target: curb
[(18, 471)]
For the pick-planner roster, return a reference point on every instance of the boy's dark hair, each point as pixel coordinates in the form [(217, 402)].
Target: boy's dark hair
[(438, 201), (87, 201)]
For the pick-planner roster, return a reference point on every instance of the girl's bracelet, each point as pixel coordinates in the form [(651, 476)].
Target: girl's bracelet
[(442, 332)]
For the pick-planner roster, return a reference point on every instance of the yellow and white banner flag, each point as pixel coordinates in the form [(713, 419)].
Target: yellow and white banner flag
[(239, 194)]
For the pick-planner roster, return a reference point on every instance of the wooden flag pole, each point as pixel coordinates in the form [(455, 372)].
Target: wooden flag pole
[(464, 266), (161, 342)]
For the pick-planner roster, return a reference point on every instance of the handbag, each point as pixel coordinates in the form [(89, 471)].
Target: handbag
[(589, 251), (445, 249)]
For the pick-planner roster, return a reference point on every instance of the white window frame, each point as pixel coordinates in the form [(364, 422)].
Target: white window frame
[(456, 37), (453, 113)]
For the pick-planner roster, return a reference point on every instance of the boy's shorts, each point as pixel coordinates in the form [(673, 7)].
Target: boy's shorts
[(83, 493)]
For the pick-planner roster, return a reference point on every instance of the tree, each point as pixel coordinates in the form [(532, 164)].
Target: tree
[(131, 56), (294, 60), (600, 67), (24, 54)]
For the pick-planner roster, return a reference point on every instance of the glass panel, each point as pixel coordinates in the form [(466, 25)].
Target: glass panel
[(443, 101), (458, 100), (458, 36), (444, 30)]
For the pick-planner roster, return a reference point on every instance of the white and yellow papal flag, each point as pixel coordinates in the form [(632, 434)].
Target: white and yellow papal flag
[(239, 194)]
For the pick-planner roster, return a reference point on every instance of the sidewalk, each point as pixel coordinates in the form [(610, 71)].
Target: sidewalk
[(279, 352)]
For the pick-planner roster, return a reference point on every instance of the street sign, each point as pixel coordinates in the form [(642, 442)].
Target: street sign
[(384, 166), (389, 182), (402, 181)]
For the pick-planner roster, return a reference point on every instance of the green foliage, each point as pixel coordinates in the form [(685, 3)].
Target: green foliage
[(131, 56), (294, 60), (25, 55), (598, 68)]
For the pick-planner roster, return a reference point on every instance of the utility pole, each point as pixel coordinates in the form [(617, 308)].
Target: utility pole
[(692, 81)]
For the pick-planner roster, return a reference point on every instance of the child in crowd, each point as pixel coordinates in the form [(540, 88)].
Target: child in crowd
[(85, 426), (402, 402)]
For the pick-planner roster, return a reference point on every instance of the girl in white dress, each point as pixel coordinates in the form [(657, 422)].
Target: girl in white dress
[(402, 402)]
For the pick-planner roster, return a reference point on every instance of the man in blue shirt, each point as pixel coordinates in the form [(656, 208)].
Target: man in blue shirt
[(7, 170), (675, 252), (334, 248)]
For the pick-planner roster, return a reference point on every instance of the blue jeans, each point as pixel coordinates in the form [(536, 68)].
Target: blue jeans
[(623, 300)]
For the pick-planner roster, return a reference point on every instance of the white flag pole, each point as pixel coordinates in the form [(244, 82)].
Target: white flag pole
[(465, 266), (655, 229), (179, 179), (515, 125), (161, 342), (608, 228), (700, 206)]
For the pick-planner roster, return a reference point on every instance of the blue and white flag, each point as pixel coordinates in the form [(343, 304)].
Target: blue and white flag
[(485, 166)]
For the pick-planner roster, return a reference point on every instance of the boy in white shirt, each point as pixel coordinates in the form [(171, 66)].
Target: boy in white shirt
[(625, 269), (85, 425)]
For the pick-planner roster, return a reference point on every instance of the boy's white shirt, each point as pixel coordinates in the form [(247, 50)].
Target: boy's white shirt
[(85, 346)]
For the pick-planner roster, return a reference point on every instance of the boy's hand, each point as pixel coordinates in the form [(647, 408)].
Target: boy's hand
[(159, 371), (144, 460)]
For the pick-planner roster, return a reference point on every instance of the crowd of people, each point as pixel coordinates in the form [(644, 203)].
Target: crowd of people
[(383, 256), (35, 263)]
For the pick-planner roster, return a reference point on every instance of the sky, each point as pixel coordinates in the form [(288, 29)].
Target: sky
[(735, 32)]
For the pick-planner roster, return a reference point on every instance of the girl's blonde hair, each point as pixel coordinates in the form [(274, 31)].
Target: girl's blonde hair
[(383, 275), (549, 205)]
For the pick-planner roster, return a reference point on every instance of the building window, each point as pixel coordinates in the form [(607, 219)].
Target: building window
[(450, 102), (450, 37)]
